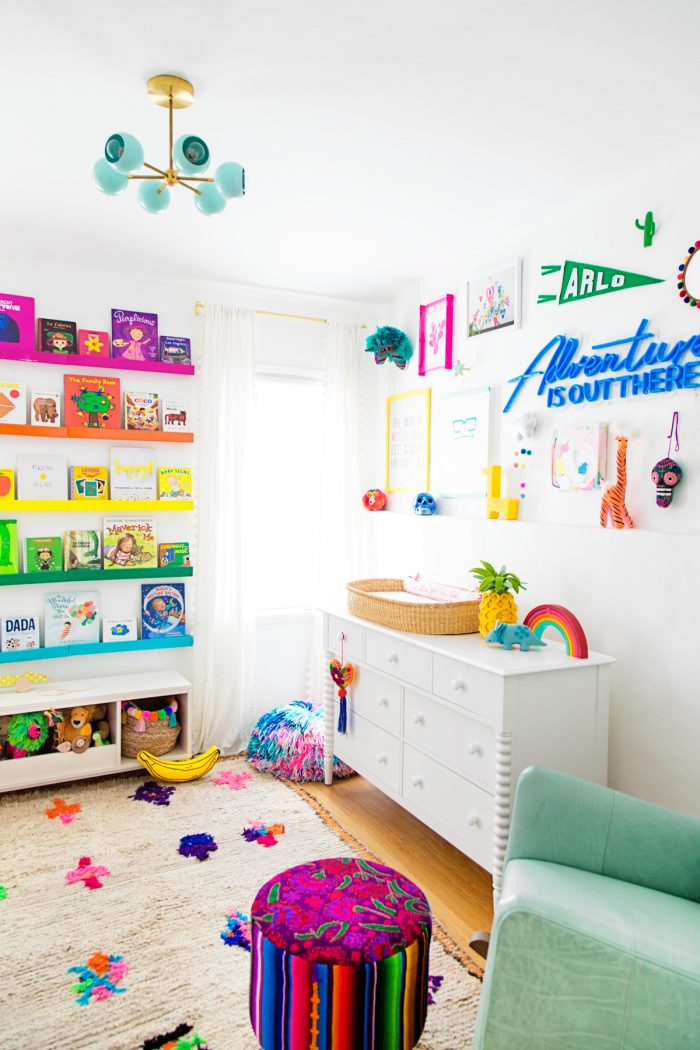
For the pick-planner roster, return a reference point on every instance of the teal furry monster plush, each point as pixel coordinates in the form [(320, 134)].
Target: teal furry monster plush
[(392, 344)]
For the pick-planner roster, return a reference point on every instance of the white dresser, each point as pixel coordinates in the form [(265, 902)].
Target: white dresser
[(445, 724)]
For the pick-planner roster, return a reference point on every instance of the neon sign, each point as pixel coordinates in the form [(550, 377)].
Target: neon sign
[(639, 365)]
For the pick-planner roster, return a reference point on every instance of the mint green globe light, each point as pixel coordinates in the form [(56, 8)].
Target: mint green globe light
[(153, 197), (188, 160), (108, 179), (229, 178)]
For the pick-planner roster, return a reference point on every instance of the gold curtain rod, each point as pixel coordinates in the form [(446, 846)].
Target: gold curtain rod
[(199, 306)]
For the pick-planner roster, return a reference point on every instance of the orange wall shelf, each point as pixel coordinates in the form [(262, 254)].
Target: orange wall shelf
[(98, 433)]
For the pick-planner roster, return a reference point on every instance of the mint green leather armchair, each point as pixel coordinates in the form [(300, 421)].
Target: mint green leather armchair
[(596, 938)]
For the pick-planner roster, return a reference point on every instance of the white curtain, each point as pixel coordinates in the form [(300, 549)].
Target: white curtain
[(224, 610), (341, 547)]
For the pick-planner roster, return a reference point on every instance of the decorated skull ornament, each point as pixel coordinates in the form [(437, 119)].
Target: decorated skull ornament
[(666, 475), (424, 504), (374, 499)]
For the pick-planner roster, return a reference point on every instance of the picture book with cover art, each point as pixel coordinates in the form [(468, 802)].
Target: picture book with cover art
[(16, 322), (174, 483), (129, 543), (92, 343), (42, 477), (175, 350), (173, 554), (19, 630), (71, 618), (119, 629), (132, 474), (140, 411), (134, 335), (81, 550), (91, 401), (45, 408), (13, 402), (57, 337), (162, 610), (9, 546), (88, 483), (43, 554), (174, 415)]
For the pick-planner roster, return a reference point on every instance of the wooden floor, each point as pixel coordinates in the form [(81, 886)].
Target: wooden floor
[(459, 890)]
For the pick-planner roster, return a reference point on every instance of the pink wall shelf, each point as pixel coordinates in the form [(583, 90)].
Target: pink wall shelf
[(95, 364)]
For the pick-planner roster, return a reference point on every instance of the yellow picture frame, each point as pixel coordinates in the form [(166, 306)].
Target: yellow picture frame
[(405, 469)]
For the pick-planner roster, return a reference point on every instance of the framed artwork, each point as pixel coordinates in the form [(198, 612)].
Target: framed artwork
[(435, 339), (408, 442), (579, 453), (493, 299), (460, 443)]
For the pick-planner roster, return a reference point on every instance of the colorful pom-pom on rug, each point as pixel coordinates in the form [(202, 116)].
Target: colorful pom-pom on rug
[(178, 1039), (237, 932), (199, 846), (288, 742), (99, 979), (152, 792)]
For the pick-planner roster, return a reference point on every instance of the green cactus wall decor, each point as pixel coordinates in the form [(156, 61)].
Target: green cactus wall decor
[(649, 228)]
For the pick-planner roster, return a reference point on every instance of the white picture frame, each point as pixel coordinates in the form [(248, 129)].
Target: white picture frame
[(494, 299)]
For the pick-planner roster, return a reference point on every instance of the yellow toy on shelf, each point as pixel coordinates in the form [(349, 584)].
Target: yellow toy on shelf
[(178, 771), (496, 504)]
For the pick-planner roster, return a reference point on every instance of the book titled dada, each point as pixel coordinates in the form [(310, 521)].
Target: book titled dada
[(71, 618), (18, 631)]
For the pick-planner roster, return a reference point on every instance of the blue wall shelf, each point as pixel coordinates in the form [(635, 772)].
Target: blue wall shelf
[(57, 651)]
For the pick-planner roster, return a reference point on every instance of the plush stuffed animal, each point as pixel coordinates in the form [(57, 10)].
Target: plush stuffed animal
[(77, 727)]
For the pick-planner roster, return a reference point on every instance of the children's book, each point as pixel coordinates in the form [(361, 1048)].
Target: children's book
[(57, 337), (91, 401), (173, 554), (162, 610), (81, 549), (9, 546), (71, 618), (92, 343), (140, 411), (43, 554), (132, 473), (18, 631), (7, 485), (175, 350), (16, 322), (13, 402), (119, 629), (174, 483), (134, 335), (42, 477), (45, 408), (129, 543), (174, 415), (88, 483)]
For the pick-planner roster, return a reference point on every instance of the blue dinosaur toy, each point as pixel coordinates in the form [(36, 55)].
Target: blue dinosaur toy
[(510, 634)]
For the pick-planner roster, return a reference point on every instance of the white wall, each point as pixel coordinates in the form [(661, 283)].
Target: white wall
[(86, 295), (634, 591)]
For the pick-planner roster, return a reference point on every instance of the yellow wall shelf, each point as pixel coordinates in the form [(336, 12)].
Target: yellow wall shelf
[(88, 506)]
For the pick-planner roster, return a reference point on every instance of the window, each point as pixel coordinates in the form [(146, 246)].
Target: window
[(287, 461)]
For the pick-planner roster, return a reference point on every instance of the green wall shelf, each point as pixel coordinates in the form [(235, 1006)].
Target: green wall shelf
[(72, 575), (57, 651)]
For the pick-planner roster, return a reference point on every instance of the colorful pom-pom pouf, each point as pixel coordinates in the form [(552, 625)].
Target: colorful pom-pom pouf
[(339, 958), (288, 742)]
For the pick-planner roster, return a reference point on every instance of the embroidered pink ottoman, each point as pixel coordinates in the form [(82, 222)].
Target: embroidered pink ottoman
[(339, 958)]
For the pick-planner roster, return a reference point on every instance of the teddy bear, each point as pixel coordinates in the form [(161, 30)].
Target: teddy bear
[(78, 730)]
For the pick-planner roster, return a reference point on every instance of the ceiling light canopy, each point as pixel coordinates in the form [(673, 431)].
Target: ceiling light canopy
[(188, 160)]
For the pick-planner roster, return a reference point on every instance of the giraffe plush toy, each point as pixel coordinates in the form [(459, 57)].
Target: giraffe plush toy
[(612, 508)]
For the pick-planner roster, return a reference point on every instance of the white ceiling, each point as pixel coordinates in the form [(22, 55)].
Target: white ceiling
[(379, 136)]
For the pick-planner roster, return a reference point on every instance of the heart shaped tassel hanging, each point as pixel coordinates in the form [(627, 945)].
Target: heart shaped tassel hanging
[(342, 674)]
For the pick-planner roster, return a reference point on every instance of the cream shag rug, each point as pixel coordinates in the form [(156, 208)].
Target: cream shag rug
[(162, 912)]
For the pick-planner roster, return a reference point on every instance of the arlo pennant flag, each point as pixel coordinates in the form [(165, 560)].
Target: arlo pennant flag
[(583, 281)]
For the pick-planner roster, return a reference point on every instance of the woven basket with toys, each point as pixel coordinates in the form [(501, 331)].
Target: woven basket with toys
[(152, 726)]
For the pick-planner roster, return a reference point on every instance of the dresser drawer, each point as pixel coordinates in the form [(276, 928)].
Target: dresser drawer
[(377, 699), (451, 737), (469, 687), (370, 750), (393, 656), (447, 801), (353, 642)]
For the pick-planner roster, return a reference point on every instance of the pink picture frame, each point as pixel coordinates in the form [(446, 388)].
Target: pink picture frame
[(435, 336)]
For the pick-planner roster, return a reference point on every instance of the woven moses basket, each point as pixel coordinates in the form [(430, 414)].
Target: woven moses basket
[(150, 727), (414, 617)]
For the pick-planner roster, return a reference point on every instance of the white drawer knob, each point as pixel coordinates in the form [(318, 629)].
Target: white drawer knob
[(419, 719), (459, 683), (473, 820), (382, 759), (341, 636), (383, 701), (417, 782), (474, 748), (392, 658)]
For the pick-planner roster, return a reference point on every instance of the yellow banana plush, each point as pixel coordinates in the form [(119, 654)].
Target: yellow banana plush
[(180, 770)]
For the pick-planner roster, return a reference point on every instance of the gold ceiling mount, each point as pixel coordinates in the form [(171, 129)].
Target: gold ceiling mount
[(167, 86)]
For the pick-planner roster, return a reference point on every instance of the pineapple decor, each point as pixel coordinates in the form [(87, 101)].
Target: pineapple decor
[(497, 602)]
